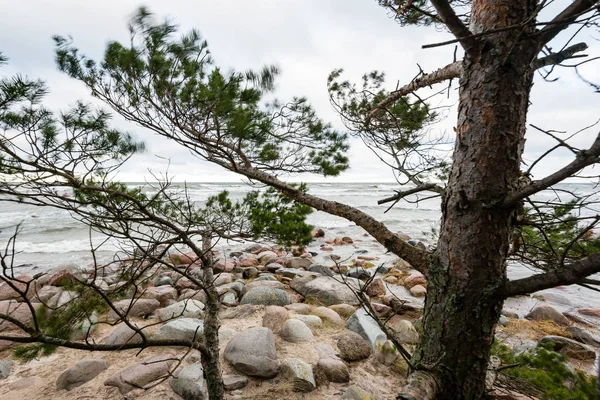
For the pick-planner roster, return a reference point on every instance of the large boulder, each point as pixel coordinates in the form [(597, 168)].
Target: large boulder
[(189, 308), (17, 310), (403, 330), (330, 365), (23, 284), (376, 288), (582, 336), (415, 279), (241, 311), (164, 294), (570, 348), (253, 352), (328, 315), (141, 374), (181, 329), (274, 318), (300, 373), (325, 289), (263, 283), (80, 373), (309, 320), (5, 368), (547, 313), (133, 308), (353, 347), (295, 331), (123, 334), (363, 324), (266, 296), (298, 263), (189, 383)]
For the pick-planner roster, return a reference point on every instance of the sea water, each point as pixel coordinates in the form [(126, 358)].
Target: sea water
[(49, 237)]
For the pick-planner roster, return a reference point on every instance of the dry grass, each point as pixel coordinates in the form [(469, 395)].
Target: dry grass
[(535, 330)]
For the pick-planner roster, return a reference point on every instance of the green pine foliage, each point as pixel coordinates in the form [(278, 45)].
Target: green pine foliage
[(171, 86), (547, 372), (61, 323), (554, 233)]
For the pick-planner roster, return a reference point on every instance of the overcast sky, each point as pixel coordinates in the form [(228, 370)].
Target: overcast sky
[(305, 38)]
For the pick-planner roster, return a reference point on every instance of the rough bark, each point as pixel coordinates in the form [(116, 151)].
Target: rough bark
[(416, 257), (467, 276)]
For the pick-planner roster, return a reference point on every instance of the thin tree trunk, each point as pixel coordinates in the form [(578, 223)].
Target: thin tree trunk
[(464, 294), (210, 360)]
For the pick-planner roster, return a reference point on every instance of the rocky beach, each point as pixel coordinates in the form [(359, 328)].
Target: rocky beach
[(292, 326)]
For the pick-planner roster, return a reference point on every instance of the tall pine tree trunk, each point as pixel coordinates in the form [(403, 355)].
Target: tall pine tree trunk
[(468, 271)]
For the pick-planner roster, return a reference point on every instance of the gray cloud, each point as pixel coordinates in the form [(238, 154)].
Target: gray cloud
[(306, 38)]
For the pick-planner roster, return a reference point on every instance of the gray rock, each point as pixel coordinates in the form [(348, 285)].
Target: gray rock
[(273, 266), (300, 373), (266, 296), (233, 382), (321, 269), (189, 383), (298, 262), (141, 374), (353, 347), (510, 314), (387, 353), (5, 368), (123, 334), (325, 290), (264, 283), (265, 277), (223, 278), (295, 331), (359, 273), (274, 318), (250, 272), (229, 299), (238, 287), (163, 281), (330, 365), (181, 329), (362, 323), (582, 336), (80, 373), (290, 272), (86, 327), (570, 348), (62, 298), (241, 311), (134, 308), (328, 315), (547, 313), (403, 331), (299, 308), (309, 320), (253, 353), (357, 393), (504, 321), (188, 308)]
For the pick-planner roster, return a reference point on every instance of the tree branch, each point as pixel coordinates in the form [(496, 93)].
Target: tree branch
[(454, 70), (443, 74), (571, 274), (416, 257), (582, 160), (432, 187), (564, 19), (557, 58), (455, 25)]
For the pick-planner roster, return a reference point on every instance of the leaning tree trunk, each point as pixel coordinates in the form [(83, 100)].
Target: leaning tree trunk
[(467, 274)]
